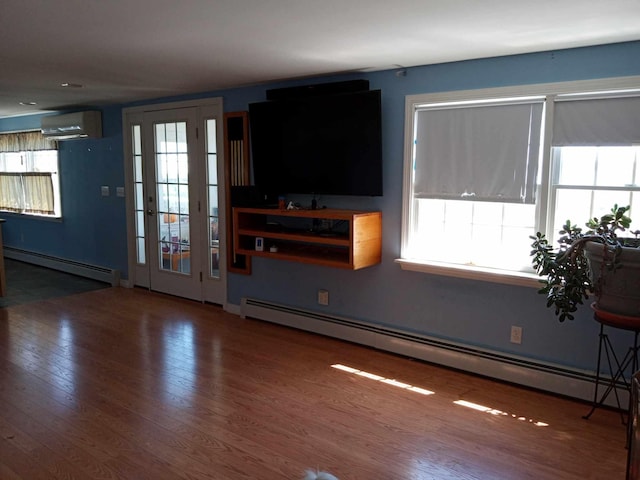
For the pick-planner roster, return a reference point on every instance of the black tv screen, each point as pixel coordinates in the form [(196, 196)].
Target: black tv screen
[(329, 144)]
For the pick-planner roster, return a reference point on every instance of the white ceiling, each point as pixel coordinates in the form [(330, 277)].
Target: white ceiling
[(126, 50)]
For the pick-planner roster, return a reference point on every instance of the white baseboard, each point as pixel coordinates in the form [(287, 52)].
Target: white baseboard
[(232, 308), (94, 272), (549, 377)]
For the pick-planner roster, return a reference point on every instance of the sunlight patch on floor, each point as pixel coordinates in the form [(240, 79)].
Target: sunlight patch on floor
[(493, 411), (378, 378)]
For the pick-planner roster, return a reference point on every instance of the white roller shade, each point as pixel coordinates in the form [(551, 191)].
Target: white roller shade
[(597, 122), (478, 152)]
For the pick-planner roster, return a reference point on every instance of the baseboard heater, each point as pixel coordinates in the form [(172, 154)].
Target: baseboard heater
[(549, 377), (103, 274)]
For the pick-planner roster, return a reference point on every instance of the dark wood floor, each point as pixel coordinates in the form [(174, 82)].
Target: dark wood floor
[(126, 384), (28, 283)]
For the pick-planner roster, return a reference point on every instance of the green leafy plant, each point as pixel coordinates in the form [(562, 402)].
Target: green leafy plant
[(567, 279)]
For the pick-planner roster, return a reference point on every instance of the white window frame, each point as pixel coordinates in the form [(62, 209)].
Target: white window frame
[(549, 91), (556, 187)]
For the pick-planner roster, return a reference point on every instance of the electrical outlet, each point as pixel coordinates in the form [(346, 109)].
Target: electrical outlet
[(516, 334), (323, 297)]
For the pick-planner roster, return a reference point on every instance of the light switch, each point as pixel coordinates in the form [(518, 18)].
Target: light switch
[(119, 191), (105, 190)]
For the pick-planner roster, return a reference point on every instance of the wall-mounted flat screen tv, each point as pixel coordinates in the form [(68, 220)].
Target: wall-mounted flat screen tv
[(328, 144)]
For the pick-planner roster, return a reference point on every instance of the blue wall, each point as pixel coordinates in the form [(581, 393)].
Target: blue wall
[(470, 312)]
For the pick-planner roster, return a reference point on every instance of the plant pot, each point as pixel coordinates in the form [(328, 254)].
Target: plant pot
[(618, 291)]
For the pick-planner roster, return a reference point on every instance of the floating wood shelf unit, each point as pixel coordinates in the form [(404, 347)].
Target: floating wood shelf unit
[(334, 238)]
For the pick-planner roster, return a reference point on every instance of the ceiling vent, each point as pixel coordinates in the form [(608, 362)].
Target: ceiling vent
[(72, 125)]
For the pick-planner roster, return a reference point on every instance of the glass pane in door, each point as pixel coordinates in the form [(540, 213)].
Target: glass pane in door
[(212, 187), (172, 192), (138, 180)]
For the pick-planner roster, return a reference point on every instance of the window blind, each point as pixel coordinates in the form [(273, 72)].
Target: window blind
[(597, 122), (478, 152)]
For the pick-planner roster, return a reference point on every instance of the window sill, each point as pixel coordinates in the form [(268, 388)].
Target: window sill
[(32, 216), (472, 273)]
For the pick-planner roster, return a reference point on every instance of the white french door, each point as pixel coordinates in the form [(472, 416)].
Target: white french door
[(171, 201), (175, 227)]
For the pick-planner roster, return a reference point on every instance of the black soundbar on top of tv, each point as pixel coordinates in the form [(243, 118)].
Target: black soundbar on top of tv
[(317, 90)]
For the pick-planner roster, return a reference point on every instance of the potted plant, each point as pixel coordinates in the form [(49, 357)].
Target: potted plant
[(596, 261)]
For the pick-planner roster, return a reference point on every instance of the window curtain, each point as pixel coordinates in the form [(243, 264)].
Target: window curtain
[(480, 152), (11, 192), (597, 122), (25, 142), (38, 193), (27, 193)]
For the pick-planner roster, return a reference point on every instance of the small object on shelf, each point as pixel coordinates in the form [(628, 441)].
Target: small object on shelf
[(282, 204), (357, 245), (273, 249)]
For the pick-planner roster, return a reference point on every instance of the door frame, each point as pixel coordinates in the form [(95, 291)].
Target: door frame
[(206, 109)]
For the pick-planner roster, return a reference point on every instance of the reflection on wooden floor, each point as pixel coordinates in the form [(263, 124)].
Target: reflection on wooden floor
[(127, 384)]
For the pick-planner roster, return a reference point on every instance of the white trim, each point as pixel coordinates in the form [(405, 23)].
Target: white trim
[(470, 272), (490, 102), (407, 179), (155, 107), (544, 200), (233, 308), (7, 132), (558, 88)]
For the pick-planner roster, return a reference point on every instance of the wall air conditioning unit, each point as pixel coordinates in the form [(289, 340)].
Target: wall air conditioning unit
[(72, 125)]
